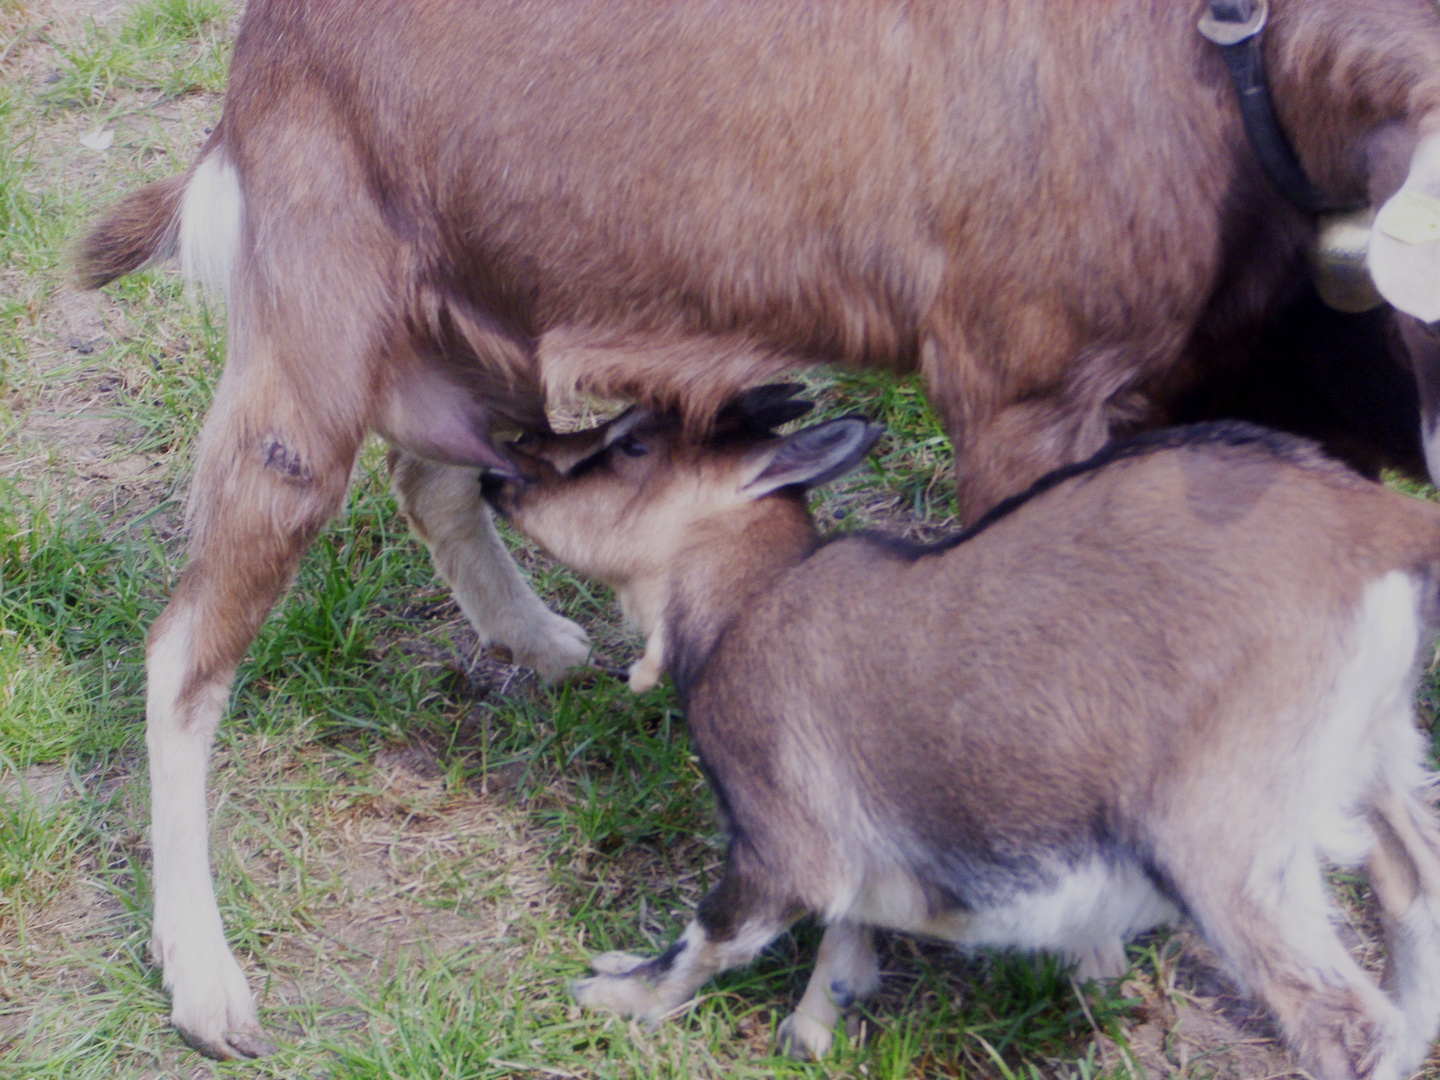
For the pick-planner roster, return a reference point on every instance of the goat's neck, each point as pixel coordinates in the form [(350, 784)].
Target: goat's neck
[(718, 571)]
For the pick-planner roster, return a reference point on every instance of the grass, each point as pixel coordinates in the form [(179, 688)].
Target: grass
[(416, 845), (174, 46)]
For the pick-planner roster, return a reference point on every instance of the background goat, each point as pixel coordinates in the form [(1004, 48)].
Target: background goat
[(1171, 680), (427, 215)]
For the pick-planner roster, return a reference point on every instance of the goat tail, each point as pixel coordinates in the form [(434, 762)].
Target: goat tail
[(141, 229), (196, 214)]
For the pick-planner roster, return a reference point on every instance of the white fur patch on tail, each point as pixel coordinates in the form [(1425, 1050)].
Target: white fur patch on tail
[(210, 225)]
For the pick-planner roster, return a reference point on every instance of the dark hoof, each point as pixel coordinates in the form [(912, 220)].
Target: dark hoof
[(237, 1045)]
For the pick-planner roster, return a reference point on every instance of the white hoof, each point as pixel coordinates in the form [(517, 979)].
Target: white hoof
[(1106, 961), (624, 995), (552, 646), (212, 1007), (804, 1037)]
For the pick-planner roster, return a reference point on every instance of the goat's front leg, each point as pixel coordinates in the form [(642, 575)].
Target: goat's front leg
[(846, 973), (737, 919), (444, 507)]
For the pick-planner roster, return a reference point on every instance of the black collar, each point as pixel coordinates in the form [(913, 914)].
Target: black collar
[(1235, 26)]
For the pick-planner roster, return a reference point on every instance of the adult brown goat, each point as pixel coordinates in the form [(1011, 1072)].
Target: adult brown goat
[(428, 214)]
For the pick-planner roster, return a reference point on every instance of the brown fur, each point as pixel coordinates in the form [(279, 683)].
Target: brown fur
[(141, 229), (1048, 257)]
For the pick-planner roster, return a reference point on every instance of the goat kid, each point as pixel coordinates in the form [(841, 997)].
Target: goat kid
[(426, 215), (1170, 681)]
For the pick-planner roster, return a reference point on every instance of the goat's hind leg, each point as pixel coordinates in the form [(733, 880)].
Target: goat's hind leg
[(275, 460), (1405, 876), (444, 508), (846, 973), (1273, 925)]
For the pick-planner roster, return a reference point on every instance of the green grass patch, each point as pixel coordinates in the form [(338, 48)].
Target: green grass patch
[(38, 841), (172, 46), (16, 161), (73, 602), (171, 22), (913, 466), (93, 69), (45, 711)]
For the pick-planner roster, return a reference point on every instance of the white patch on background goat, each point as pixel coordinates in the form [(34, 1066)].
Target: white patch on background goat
[(210, 225), (1431, 441), (1403, 264)]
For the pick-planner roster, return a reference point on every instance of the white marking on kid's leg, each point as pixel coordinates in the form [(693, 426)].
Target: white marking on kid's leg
[(845, 972), (1417, 940), (1412, 936), (619, 994), (650, 668), (648, 993)]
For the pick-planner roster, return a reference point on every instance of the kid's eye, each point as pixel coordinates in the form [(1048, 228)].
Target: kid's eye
[(630, 446)]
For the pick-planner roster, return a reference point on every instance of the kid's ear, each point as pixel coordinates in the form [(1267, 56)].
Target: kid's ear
[(761, 408), (812, 456)]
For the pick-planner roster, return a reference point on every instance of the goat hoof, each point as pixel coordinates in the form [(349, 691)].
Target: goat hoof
[(231, 1046), (211, 1005), (1102, 962), (624, 995), (558, 648), (250, 1044), (803, 1037)]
